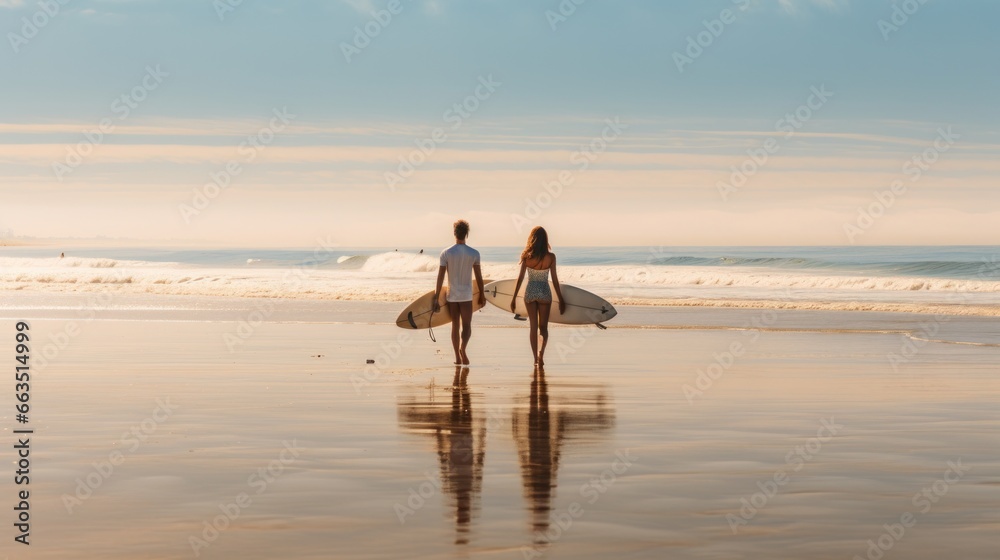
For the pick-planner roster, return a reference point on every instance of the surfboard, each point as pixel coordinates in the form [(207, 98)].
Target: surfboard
[(418, 314), (582, 307)]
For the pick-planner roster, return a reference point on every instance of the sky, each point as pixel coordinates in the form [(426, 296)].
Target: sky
[(378, 123)]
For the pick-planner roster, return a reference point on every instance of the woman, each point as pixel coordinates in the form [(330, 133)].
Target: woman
[(538, 260)]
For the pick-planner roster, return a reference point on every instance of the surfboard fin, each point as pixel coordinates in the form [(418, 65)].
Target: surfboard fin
[(600, 326), (409, 317)]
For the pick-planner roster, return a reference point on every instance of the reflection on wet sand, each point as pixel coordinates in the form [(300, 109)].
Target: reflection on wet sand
[(541, 427), (460, 437), (540, 430)]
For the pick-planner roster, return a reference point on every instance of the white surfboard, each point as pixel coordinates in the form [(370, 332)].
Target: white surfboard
[(582, 307), (418, 314)]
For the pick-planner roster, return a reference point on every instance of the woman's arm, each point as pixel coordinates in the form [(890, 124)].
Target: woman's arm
[(520, 276), (555, 284)]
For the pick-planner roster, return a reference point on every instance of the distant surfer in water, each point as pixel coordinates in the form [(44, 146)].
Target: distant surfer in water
[(537, 260), (460, 262)]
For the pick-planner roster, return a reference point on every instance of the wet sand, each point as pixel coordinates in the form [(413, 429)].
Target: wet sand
[(792, 444)]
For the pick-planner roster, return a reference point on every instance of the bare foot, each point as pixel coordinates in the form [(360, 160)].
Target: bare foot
[(465, 358), (541, 361)]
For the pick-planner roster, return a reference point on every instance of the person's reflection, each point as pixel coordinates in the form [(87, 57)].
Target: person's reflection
[(460, 437), (540, 434), (539, 455)]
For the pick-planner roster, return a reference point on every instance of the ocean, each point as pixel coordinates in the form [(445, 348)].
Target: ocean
[(847, 277)]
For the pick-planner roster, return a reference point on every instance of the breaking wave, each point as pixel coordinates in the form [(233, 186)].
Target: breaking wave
[(403, 276)]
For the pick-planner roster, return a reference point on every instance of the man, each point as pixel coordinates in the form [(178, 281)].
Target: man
[(460, 262)]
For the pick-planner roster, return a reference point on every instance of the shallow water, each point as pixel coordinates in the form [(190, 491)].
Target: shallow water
[(602, 456)]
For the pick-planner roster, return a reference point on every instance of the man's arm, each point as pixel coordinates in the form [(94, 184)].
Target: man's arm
[(437, 288), (479, 282)]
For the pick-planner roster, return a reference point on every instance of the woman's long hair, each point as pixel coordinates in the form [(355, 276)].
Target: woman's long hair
[(538, 244)]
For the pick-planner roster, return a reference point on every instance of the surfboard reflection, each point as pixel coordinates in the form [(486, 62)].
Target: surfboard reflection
[(541, 428), (460, 438)]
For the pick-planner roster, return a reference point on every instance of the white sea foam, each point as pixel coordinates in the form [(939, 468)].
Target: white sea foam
[(753, 278), (400, 262), (74, 263), (399, 276)]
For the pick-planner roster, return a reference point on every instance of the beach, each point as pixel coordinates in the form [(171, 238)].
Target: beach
[(196, 427), (769, 285)]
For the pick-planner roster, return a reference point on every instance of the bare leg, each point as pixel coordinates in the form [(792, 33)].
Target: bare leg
[(453, 308), (466, 311), (533, 328), (543, 329)]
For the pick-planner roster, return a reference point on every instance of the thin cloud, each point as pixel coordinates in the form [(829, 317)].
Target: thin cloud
[(361, 6), (796, 6)]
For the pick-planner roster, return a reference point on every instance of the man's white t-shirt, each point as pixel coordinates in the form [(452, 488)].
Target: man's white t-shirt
[(459, 259)]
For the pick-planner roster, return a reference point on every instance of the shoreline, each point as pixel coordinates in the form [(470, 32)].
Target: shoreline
[(939, 309), (248, 313), (915, 308)]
